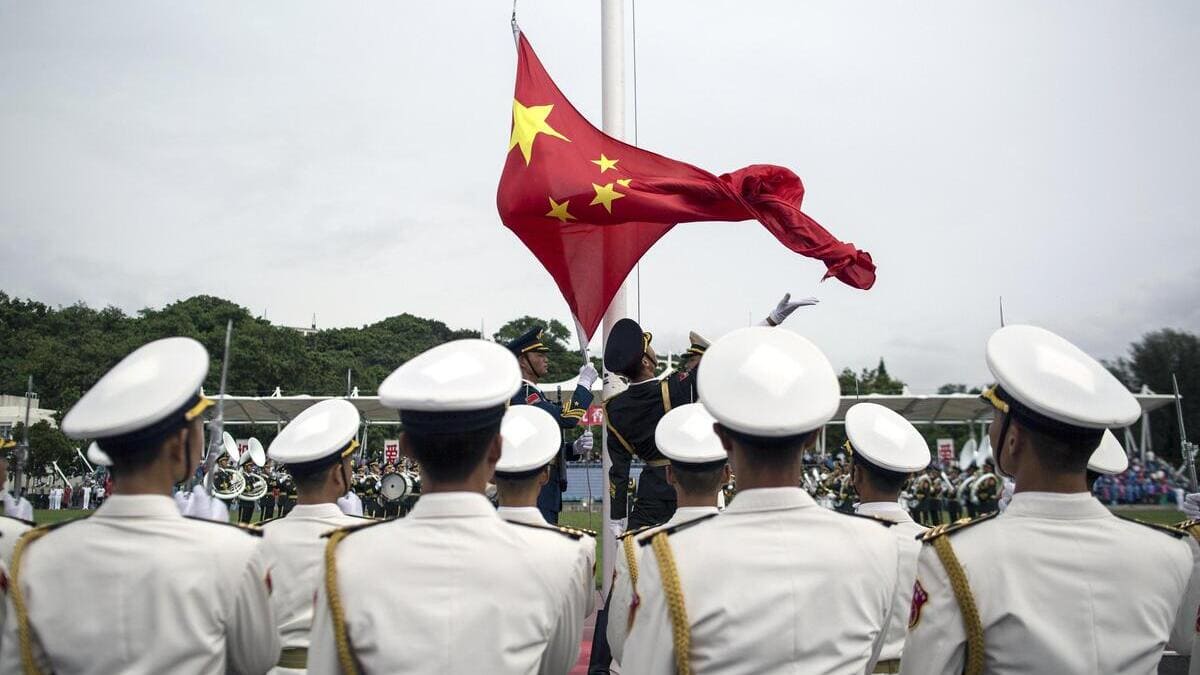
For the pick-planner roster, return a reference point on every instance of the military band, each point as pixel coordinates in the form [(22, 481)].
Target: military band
[(1045, 581)]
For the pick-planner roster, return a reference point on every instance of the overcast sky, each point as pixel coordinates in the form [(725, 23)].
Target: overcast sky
[(342, 158)]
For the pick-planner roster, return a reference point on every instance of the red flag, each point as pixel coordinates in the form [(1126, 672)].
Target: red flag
[(589, 206)]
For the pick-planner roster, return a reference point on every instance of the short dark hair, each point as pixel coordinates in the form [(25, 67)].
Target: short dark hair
[(1067, 453), (311, 476), (772, 451), (880, 478), (695, 480), (451, 457), (133, 456)]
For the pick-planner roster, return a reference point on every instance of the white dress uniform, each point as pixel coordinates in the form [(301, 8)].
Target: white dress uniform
[(136, 587), (477, 594), (292, 545), (775, 583), (530, 440), (11, 529), (685, 436), (884, 439), (1060, 584)]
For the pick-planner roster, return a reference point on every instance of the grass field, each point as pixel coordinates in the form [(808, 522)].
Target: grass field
[(591, 521)]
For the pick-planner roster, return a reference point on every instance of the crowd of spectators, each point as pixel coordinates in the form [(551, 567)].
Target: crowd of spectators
[(1151, 482)]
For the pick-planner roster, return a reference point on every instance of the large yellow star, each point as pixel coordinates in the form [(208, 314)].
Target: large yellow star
[(560, 210), (528, 122), (605, 194), (605, 163)]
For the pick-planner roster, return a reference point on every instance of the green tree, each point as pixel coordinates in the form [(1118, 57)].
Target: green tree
[(564, 361), (1151, 362), (46, 445), (869, 381)]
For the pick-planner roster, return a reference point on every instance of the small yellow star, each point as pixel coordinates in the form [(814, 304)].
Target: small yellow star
[(560, 210), (624, 182), (528, 122), (605, 163), (605, 195)]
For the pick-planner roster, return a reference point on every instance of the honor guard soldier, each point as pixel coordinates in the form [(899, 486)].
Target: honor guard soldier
[(631, 417), (885, 449), (315, 448), (530, 439), (531, 352), (155, 592), (774, 583), (1050, 584), (480, 595), (699, 468)]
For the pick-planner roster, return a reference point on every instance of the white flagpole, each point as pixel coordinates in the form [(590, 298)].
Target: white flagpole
[(612, 75)]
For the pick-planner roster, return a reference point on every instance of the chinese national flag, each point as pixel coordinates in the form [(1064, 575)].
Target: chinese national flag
[(589, 206)]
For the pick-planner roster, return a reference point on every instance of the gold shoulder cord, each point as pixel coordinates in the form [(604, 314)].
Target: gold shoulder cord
[(28, 665), (681, 633), (1192, 528), (966, 605), (666, 395), (341, 636), (631, 561)]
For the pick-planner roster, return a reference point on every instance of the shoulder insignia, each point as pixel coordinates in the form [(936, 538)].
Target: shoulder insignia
[(677, 528), (351, 529), (956, 526), (882, 521), (565, 531), (634, 533), (248, 529), (1187, 524), (30, 522), (1176, 532)]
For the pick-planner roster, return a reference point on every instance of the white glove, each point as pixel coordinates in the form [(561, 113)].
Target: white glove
[(181, 500), (1191, 505), (785, 308), (203, 505), (617, 527), (1006, 494), (587, 375), (584, 444), (350, 504), (17, 508)]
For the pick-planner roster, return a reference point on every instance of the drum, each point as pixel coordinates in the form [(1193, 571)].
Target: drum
[(395, 486)]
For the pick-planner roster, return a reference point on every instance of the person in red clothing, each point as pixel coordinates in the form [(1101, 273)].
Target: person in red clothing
[(66, 500)]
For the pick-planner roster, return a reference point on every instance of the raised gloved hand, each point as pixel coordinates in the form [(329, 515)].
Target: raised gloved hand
[(587, 375), (203, 505), (17, 508), (181, 500), (1191, 505), (350, 504), (617, 526), (1006, 494), (585, 443), (785, 308)]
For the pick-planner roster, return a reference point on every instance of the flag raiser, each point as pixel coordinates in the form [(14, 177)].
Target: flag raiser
[(589, 206)]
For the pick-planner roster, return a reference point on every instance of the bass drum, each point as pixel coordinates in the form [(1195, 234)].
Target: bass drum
[(396, 486)]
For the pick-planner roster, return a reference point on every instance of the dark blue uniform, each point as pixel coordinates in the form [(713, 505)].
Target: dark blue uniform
[(568, 415)]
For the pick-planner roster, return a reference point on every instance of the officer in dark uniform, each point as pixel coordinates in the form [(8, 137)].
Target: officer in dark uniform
[(266, 505), (531, 356), (632, 416)]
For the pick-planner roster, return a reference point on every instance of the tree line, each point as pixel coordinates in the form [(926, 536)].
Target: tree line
[(66, 349)]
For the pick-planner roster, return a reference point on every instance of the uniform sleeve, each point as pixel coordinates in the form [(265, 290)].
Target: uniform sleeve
[(649, 648), (575, 408), (252, 640), (562, 651), (887, 607), (10, 642), (1184, 631), (618, 473), (936, 642), (322, 647), (619, 603), (681, 387)]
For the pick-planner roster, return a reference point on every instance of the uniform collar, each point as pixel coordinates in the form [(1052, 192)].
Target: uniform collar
[(452, 505), (527, 383), (769, 499), (522, 514), (138, 506), (1065, 506), (887, 510), (685, 514), (314, 511)]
